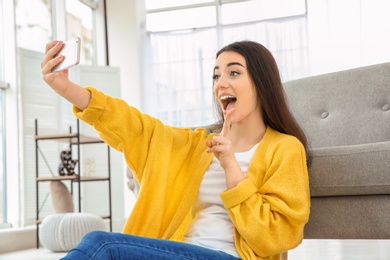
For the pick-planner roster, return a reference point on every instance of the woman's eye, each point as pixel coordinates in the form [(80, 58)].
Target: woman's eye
[(215, 77), (234, 73)]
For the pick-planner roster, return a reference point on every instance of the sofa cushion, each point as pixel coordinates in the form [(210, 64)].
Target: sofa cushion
[(349, 217), (350, 170), (343, 108)]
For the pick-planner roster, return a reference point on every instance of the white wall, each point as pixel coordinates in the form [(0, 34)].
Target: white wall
[(347, 34), (125, 24)]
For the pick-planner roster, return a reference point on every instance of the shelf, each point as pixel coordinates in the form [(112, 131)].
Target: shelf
[(73, 139), (70, 138), (72, 178)]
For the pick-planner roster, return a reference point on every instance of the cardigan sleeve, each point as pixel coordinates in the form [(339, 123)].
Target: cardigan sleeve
[(271, 206), (147, 144), (121, 126)]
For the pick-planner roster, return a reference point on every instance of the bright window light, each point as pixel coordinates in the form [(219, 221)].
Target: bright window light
[(33, 28), (181, 19), (261, 10), (157, 4), (3, 210), (79, 20), (81, 11)]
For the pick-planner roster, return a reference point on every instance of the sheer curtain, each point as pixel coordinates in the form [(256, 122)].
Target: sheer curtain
[(178, 85), (179, 91)]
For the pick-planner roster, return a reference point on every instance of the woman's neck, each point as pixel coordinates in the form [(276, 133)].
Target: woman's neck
[(246, 135)]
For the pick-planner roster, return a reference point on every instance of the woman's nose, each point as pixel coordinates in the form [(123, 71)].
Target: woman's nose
[(221, 82)]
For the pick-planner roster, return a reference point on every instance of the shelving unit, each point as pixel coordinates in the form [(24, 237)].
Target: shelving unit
[(75, 140)]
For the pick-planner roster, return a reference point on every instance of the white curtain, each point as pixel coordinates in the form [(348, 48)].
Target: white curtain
[(178, 85)]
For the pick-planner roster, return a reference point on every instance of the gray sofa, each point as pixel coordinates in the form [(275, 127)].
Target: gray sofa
[(346, 116)]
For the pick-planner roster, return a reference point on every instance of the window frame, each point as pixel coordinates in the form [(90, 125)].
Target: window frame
[(218, 9), (3, 87), (15, 178), (9, 79), (171, 115)]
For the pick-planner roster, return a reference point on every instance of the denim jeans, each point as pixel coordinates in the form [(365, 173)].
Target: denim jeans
[(106, 245)]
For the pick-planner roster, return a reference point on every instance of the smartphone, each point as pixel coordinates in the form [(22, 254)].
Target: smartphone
[(71, 53)]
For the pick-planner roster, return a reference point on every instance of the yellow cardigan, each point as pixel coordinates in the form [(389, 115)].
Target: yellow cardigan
[(268, 209)]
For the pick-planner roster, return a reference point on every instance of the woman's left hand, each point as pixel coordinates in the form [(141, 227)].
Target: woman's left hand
[(221, 145)]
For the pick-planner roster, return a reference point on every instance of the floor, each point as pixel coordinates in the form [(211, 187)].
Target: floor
[(312, 249)]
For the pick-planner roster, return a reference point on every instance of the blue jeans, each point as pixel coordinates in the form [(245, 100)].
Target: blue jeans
[(106, 245)]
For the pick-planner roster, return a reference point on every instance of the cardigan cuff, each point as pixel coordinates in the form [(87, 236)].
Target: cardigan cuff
[(95, 107), (238, 194)]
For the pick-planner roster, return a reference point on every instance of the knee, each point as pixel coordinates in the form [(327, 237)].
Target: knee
[(88, 245), (96, 235)]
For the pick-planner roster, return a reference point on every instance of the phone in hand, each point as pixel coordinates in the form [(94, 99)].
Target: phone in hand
[(71, 53)]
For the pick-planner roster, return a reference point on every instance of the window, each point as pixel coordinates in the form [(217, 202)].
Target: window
[(179, 92), (3, 217), (178, 89), (260, 10), (1, 41), (3, 181), (175, 15), (2, 175), (79, 21), (39, 22), (33, 29), (158, 4), (188, 19)]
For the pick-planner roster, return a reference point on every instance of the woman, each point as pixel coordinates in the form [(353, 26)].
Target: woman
[(239, 194)]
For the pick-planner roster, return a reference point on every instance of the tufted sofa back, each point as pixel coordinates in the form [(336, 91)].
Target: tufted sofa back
[(343, 108)]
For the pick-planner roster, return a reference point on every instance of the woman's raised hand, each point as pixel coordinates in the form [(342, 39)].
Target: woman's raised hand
[(59, 80), (56, 80), (221, 146)]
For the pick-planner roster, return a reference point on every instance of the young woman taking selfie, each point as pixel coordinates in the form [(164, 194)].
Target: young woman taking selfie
[(241, 193)]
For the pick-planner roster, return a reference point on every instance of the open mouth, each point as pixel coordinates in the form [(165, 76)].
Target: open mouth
[(228, 102)]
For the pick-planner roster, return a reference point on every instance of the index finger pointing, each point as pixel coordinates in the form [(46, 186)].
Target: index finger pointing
[(226, 125)]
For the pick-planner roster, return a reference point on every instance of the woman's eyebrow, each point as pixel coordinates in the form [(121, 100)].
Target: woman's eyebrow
[(230, 64), (235, 63)]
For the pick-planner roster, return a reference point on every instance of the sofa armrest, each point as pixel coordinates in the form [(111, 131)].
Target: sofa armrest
[(350, 170)]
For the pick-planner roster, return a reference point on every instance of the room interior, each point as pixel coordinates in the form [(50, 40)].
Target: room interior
[(129, 53)]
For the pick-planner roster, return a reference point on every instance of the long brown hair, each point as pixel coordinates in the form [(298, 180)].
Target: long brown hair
[(264, 72)]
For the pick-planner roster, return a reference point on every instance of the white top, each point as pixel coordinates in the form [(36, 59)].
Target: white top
[(211, 226)]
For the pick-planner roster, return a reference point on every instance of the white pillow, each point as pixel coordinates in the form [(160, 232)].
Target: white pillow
[(62, 232)]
